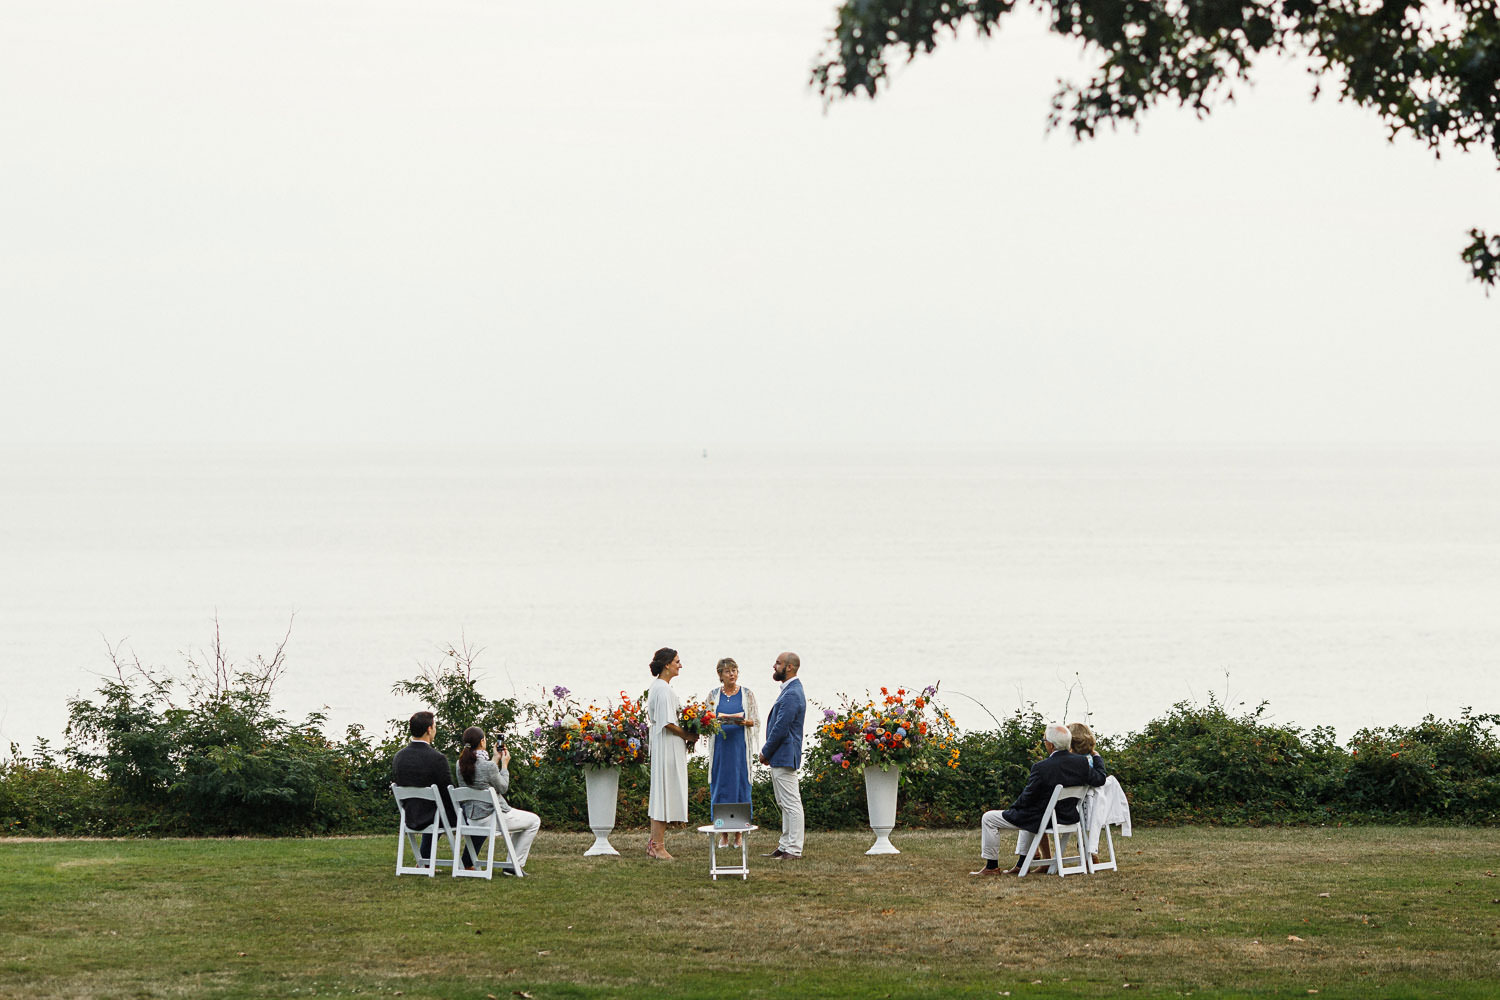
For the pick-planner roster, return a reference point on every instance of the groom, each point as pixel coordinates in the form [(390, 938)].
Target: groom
[(783, 754)]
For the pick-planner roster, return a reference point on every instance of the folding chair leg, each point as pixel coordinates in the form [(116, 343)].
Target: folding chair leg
[(1031, 853), (1113, 864), (510, 848)]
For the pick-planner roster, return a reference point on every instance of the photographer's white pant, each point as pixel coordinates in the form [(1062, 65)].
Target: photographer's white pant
[(989, 835), (523, 826), (789, 801)]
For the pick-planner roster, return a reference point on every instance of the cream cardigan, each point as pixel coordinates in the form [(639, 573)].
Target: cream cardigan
[(752, 713)]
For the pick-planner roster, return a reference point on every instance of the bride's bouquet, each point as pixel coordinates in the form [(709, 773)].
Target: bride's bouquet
[(698, 719)]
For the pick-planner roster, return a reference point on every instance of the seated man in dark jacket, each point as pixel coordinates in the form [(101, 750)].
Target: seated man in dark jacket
[(1061, 767), (421, 764)]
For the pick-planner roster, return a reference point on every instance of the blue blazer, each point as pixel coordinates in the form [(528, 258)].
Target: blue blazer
[(784, 726)]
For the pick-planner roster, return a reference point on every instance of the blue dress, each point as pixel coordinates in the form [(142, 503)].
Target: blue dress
[(730, 781)]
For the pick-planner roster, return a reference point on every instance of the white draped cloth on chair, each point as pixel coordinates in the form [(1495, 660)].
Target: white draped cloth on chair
[(1106, 804)]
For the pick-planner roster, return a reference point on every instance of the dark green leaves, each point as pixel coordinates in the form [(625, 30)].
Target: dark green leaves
[(1430, 70)]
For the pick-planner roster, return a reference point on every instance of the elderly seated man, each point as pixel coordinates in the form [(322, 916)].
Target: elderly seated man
[(1060, 767)]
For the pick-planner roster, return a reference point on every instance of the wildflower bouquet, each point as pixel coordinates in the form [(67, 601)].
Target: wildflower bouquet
[(699, 718), (910, 730), (568, 732)]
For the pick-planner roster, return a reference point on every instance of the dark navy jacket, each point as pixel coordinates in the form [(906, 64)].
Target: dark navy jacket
[(1062, 768), (420, 763)]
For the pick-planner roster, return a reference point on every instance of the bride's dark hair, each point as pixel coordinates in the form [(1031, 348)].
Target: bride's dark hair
[(659, 662)]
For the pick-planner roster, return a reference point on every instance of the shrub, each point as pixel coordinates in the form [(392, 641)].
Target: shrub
[(42, 798), (1199, 763), (1437, 769), (450, 690), (206, 754)]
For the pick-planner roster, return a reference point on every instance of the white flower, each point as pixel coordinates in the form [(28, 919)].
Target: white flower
[(570, 721)]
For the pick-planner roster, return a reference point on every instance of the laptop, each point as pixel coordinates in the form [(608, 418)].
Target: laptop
[(732, 816)]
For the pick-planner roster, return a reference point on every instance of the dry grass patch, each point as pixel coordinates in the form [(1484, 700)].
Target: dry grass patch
[(1377, 911)]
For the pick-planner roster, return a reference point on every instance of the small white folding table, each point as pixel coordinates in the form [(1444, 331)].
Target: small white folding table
[(714, 868)]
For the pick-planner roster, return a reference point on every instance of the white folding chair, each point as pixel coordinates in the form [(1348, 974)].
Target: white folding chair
[(486, 828), (406, 835), (1090, 807), (1059, 861)]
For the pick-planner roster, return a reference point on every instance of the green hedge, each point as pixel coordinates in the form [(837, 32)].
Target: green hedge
[(218, 761)]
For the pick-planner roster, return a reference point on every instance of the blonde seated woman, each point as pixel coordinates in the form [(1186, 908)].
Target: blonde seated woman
[(1103, 805)]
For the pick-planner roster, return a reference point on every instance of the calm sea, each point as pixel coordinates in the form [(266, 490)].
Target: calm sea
[(1347, 588)]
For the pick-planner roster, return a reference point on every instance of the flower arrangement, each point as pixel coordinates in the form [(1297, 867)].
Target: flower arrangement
[(699, 718), (590, 735), (910, 730)]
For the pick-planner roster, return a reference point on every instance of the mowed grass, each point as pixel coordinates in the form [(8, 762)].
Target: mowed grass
[(1357, 912)]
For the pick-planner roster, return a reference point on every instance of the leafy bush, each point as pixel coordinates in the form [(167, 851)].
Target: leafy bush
[(206, 754), (40, 797), (1437, 769), (1200, 763), (450, 690)]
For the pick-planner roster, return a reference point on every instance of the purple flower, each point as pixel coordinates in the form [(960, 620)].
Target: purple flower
[(838, 758), (929, 691), (538, 732), (559, 692), (634, 743), (828, 713)]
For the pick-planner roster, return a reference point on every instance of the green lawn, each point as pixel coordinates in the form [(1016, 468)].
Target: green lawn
[(1359, 912)]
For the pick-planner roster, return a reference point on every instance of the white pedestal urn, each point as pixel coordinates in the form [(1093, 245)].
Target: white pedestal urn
[(880, 800), (604, 793)]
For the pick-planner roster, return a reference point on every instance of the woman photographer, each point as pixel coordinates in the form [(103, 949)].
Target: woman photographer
[(476, 770)]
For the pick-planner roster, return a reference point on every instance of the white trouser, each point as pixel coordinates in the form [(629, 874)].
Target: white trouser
[(989, 835), (523, 826), (789, 801)]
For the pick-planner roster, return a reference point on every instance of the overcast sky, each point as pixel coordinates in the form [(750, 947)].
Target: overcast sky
[(443, 221)]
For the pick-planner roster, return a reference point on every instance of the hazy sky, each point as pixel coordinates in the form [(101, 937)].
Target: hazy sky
[(402, 221)]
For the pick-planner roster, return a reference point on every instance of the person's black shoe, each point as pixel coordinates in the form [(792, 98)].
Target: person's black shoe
[(778, 853)]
